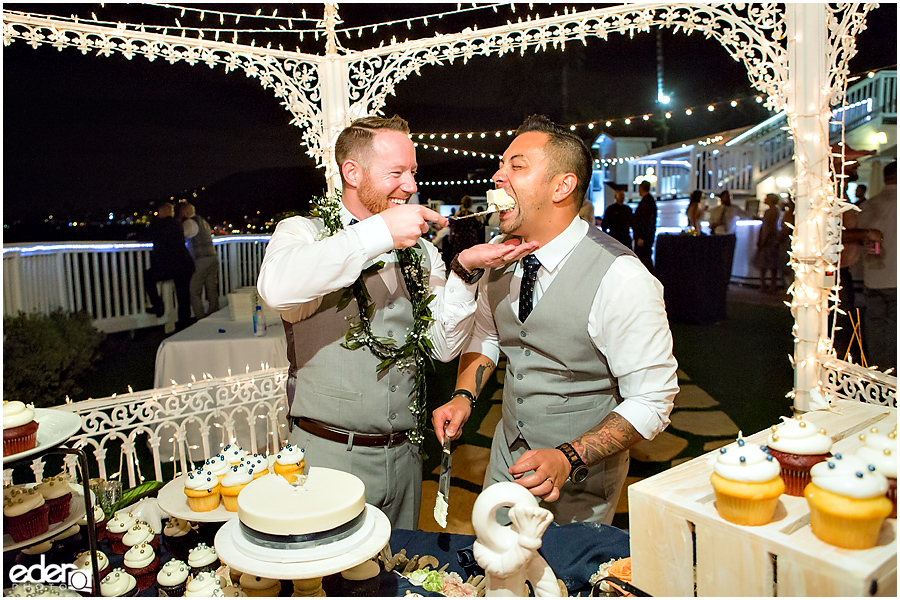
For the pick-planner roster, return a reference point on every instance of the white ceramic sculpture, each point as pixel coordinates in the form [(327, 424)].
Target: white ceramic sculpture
[(148, 510), (508, 553)]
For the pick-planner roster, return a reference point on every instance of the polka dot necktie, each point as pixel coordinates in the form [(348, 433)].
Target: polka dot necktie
[(526, 292)]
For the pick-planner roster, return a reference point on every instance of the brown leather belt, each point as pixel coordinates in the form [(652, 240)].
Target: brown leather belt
[(342, 436)]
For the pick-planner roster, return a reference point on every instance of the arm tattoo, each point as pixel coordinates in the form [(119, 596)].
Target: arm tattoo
[(613, 434), (480, 376)]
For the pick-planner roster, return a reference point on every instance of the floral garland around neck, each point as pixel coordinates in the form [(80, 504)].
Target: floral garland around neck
[(416, 352)]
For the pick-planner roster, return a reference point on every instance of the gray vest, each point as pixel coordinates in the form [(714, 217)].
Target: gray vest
[(343, 387), (201, 244), (557, 384)]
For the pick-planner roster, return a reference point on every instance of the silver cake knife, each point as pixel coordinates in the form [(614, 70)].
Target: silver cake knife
[(490, 210), (443, 495)]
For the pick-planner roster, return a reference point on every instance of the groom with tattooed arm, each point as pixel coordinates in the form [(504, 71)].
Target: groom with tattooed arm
[(583, 325)]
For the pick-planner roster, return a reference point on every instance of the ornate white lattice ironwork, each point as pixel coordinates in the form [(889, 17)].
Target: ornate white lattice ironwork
[(292, 76), (180, 426), (853, 382)]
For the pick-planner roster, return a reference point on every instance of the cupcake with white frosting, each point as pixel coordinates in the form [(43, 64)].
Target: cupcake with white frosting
[(880, 450), (257, 465), (217, 465), (202, 490), (25, 515), (847, 502), (118, 583), (85, 562), (797, 446), (179, 536), (116, 529), (289, 462), (58, 494), (172, 578), (99, 522), (233, 454), (19, 427), (747, 483), (140, 533), (203, 559), (142, 563), (232, 484), (203, 585)]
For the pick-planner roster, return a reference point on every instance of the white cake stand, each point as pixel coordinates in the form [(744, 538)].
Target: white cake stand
[(377, 530)]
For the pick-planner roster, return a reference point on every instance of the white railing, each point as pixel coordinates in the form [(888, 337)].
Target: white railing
[(872, 97), (106, 279), (159, 434)]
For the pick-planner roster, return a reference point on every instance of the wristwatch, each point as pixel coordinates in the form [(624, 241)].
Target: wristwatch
[(468, 277), (579, 470)]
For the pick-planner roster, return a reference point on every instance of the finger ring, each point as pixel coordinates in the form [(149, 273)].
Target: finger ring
[(551, 481)]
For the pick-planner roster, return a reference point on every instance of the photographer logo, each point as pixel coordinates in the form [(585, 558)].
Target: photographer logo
[(52, 574)]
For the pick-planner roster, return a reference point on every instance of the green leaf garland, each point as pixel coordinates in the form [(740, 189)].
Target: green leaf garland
[(415, 353)]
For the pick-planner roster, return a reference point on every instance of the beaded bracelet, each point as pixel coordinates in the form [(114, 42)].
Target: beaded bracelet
[(465, 394)]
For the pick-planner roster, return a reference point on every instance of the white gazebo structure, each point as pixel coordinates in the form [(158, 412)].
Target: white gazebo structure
[(795, 54)]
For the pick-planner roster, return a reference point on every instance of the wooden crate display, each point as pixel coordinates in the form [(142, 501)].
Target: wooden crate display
[(681, 547)]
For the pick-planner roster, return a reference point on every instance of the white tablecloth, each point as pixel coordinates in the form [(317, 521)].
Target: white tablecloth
[(216, 344)]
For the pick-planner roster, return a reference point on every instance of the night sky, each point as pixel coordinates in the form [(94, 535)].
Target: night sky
[(106, 133)]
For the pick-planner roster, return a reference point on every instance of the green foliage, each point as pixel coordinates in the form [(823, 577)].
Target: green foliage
[(132, 495), (45, 355)]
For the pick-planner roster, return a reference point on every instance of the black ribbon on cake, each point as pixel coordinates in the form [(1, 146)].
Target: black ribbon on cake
[(306, 540)]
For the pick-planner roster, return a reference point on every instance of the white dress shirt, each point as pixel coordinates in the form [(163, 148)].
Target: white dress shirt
[(300, 267), (627, 323)]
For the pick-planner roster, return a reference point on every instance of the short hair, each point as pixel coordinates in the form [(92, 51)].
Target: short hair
[(355, 140), (166, 207), (465, 202), (644, 185), (186, 210), (566, 153), (696, 195)]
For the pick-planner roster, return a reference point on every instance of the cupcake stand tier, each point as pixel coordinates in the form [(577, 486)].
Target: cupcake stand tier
[(55, 427), (77, 507), (680, 546), (368, 541), (172, 501)]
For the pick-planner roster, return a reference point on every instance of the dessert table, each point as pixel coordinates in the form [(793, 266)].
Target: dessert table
[(218, 346), (694, 272)]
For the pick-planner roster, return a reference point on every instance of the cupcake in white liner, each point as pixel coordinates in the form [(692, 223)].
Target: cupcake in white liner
[(747, 483), (880, 450), (846, 502)]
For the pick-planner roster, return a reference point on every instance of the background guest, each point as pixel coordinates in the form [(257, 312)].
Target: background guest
[(860, 194), (618, 219), (784, 242), (877, 224), (206, 263), (695, 211), (169, 260), (464, 233), (645, 226), (724, 217), (768, 251)]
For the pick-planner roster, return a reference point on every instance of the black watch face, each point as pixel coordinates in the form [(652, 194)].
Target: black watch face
[(579, 474)]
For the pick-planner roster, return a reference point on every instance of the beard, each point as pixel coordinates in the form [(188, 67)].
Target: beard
[(373, 200)]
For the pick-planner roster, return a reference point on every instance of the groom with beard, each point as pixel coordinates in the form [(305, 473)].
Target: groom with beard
[(344, 411)]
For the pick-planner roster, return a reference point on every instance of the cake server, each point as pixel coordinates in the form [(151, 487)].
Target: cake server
[(443, 495)]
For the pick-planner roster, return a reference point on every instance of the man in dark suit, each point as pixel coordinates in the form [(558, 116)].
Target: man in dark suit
[(169, 259), (645, 225)]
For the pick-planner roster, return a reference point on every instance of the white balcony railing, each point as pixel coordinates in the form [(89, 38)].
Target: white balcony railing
[(106, 279)]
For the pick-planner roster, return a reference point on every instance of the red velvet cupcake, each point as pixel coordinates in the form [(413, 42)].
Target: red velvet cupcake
[(116, 529), (25, 515), (797, 446), (58, 494), (19, 428), (143, 564)]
